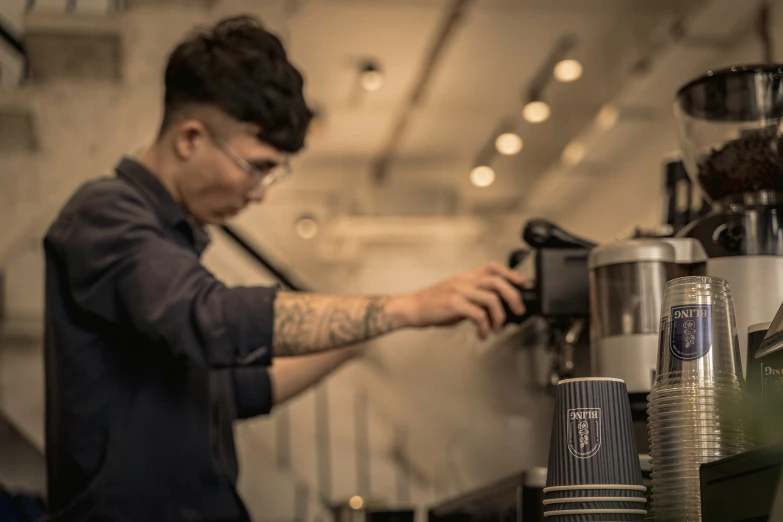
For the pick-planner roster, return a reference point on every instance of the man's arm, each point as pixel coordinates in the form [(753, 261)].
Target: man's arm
[(291, 376), (309, 323), (258, 389)]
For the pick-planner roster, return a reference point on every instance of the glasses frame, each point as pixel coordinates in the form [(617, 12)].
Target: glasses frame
[(264, 179)]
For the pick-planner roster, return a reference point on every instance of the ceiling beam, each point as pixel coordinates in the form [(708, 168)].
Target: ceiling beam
[(594, 8), (455, 12)]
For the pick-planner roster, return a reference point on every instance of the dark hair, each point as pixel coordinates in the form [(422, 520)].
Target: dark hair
[(242, 69)]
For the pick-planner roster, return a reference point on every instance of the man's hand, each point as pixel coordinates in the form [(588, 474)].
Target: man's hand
[(474, 295)]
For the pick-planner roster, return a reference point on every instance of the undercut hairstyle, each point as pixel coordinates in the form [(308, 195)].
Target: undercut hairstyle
[(240, 68)]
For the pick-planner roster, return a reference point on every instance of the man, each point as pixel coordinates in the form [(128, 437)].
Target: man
[(149, 358)]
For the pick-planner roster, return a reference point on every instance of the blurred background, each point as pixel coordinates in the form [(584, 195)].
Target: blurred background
[(441, 127)]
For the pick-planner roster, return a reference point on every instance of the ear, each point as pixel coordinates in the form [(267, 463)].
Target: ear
[(189, 136)]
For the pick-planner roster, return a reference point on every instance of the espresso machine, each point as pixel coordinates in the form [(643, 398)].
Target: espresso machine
[(729, 124)]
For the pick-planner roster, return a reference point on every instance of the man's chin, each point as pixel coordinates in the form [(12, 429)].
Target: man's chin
[(218, 220), (213, 220), (222, 218)]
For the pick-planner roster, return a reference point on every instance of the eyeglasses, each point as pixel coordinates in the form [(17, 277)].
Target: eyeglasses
[(264, 176)]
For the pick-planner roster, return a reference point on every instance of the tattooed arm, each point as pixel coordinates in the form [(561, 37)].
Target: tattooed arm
[(309, 323)]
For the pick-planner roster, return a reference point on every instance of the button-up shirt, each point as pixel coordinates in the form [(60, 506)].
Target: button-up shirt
[(149, 359)]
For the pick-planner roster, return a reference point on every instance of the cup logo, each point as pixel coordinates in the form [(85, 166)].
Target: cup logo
[(771, 381), (691, 333), (584, 432)]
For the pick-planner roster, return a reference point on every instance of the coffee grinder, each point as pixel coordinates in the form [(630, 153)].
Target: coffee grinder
[(729, 124)]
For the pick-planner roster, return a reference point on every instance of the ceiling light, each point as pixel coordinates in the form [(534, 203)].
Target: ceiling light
[(307, 228), (508, 144), (371, 77), (607, 117), (573, 154), (482, 176), (568, 70), (356, 502), (536, 111)]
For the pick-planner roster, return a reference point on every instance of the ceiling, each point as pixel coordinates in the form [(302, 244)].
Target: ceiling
[(481, 79)]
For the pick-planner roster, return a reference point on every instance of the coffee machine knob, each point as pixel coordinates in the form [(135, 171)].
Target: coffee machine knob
[(517, 257), (731, 237)]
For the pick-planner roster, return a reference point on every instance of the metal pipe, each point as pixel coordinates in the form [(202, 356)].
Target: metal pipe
[(301, 501), (765, 35), (285, 279), (323, 442), (362, 444), (283, 438), (544, 75), (402, 470), (3, 297), (455, 13), (11, 39)]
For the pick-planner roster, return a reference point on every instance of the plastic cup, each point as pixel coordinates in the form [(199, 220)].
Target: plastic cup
[(698, 339), (695, 407)]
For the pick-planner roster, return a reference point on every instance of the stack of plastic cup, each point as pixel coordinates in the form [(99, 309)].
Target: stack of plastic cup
[(695, 407), (594, 472)]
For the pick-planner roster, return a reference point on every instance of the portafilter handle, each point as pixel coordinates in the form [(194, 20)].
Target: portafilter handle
[(517, 257), (529, 299), (529, 296), (540, 233)]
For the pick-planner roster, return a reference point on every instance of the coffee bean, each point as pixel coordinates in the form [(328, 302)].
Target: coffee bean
[(751, 163)]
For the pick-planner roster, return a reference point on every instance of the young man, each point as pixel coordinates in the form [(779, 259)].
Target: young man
[(149, 358)]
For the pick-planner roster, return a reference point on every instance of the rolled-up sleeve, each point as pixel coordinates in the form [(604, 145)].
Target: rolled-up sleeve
[(253, 394), (124, 267)]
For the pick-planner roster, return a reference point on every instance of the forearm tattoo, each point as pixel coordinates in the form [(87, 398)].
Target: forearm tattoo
[(308, 323)]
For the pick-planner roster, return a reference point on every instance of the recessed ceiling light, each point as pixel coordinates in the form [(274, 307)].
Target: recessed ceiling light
[(508, 143), (607, 117), (307, 228), (573, 154), (568, 70), (482, 176), (371, 77), (536, 111)]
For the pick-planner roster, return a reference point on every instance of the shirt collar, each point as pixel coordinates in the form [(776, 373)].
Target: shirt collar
[(174, 215)]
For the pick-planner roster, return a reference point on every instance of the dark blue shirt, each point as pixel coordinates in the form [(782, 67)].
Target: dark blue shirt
[(149, 360)]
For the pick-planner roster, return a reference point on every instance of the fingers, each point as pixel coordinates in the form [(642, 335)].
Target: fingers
[(500, 270), (479, 296), (476, 314), (489, 301), (509, 293)]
